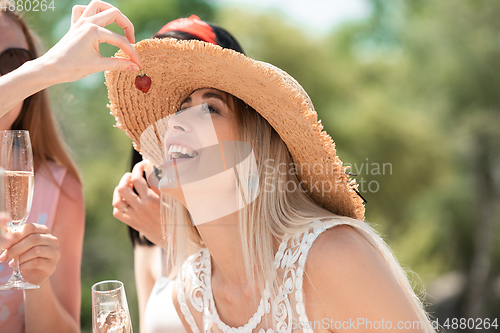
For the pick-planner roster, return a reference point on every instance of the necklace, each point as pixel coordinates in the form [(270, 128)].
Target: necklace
[(290, 258), (263, 308)]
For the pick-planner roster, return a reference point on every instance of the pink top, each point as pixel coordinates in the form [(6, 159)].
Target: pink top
[(43, 210)]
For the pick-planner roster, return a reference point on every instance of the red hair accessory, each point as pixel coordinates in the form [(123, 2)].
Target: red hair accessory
[(192, 25)]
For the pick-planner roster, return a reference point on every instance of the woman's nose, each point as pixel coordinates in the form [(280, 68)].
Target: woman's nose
[(180, 128), (179, 122)]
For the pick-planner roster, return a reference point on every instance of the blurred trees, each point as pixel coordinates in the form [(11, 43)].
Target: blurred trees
[(149, 16), (455, 49), (452, 49), (416, 86), (411, 98)]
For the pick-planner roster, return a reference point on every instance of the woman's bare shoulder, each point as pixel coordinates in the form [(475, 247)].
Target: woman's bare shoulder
[(340, 244), (351, 278), (341, 258)]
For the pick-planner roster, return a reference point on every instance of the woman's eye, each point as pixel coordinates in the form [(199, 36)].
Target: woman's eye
[(207, 109), (212, 109)]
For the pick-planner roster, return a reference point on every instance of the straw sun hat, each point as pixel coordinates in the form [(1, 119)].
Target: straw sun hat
[(178, 68)]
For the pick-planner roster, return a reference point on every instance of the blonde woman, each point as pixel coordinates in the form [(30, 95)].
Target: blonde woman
[(49, 247), (154, 281), (263, 223)]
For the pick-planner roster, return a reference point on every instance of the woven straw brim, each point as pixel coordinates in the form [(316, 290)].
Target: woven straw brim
[(177, 68)]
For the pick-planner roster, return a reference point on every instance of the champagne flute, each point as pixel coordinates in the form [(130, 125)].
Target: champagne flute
[(109, 308), (2, 201), (16, 159)]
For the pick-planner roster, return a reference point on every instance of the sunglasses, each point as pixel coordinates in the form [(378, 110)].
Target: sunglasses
[(13, 58)]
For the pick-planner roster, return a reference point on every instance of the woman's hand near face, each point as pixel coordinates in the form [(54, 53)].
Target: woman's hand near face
[(141, 211), (75, 56), (37, 250)]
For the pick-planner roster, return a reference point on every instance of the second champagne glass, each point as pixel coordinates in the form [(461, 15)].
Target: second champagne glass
[(109, 308), (16, 158)]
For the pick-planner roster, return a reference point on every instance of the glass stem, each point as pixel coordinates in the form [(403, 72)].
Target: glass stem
[(16, 274)]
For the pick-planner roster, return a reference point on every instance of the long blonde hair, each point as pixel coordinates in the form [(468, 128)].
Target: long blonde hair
[(273, 214), (36, 116)]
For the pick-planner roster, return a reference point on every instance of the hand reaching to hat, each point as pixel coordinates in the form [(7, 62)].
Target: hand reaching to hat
[(140, 210), (75, 56), (77, 53)]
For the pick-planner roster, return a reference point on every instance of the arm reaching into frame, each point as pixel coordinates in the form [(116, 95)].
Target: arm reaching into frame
[(75, 56)]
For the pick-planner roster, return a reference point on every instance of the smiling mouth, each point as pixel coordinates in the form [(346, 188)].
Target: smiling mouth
[(178, 151)]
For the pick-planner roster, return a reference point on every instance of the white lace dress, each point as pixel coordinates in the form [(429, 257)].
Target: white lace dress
[(287, 312)]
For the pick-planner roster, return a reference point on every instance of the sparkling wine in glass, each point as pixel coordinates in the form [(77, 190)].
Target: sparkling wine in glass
[(16, 160), (2, 201), (109, 308)]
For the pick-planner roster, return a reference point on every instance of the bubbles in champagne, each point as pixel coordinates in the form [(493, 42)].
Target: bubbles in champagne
[(18, 194), (114, 322)]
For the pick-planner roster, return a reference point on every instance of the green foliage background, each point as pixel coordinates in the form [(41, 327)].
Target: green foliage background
[(415, 86)]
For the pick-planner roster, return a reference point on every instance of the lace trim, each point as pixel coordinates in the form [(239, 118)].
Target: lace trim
[(292, 258), (181, 297)]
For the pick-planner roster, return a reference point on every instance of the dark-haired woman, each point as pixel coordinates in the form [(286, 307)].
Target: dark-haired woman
[(49, 247)]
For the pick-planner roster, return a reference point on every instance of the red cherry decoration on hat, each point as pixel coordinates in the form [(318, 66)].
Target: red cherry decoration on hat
[(143, 82)]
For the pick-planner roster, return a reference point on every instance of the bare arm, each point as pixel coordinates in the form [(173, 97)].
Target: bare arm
[(55, 307), (347, 281), (75, 56), (23, 82), (147, 270)]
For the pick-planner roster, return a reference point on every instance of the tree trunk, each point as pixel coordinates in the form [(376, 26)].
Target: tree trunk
[(487, 215)]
